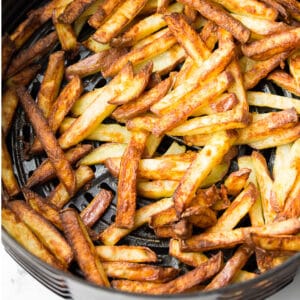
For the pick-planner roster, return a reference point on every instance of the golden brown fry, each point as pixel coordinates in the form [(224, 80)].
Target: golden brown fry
[(94, 46), (232, 266), (44, 208), (45, 170), (8, 49), (178, 285), (285, 81), (23, 235), (164, 217), (32, 54), (127, 179), (242, 276), (73, 10), (142, 104), (104, 11), (277, 242), (9, 105), (277, 6), (112, 234), (187, 37), (292, 7), (210, 156), (50, 85), (84, 249), (217, 14), (236, 181), (93, 212), (209, 34), (126, 253), (60, 196), (294, 66), (65, 32), (118, 20), (260, 69), (9, 180), (139, 272), (273, 44), (193, 259), (192, 101), (202, 217), (60, 108), (156, 189), (181, 229), (45, 231), (57, 157)]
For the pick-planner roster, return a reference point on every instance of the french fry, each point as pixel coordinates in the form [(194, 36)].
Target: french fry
[(206, 159), (260, 69), (286, 158), (242, 276), (45, 231), (23, 235), (276, 43), (139, 272), (50, 85), (162, 5), (164, 217), (57, 157), (112, 234), (265, 183), (65, 32), (9, 105), (24, 77), (237, 210), (119, 18), (250, 8), (73, 10), (209, 34), (9, 180), (8, 49), (201, 273), (45, 170), (104, 10), (60, 108), (93, 212), (44, 208), (192, 101), (285, 81), (32, 54), (127, 179), (277, 6), (156, 189), (141, 54), (292, 7), (144, 28), (202, 217), (84, 250), (236, 181), (277, 242), (124, 253), (217, 14), (99, 109), (232, 266), (60, 196), (193, 259), (181, 229), (142, 104), (273, 101), (294, 66), (94, 46)]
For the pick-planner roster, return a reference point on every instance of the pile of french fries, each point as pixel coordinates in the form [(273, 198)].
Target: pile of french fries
[(185, 69)]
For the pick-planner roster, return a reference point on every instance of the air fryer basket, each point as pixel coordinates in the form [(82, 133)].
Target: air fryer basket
[(72, 285)]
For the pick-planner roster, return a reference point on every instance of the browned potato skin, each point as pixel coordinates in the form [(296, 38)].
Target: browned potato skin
[(93, 212), (8, 49), (142, 104), (105, 10), (32, 54), (276, 43), (43, 207), (178, 285), (24, 77), (50, 85), (235, 182), (56, 155), (83, 248), (23, 235), (126, 204), (74, 10), (44, 230), (216, 13), (45, 171), (139, 272), (60, 108)]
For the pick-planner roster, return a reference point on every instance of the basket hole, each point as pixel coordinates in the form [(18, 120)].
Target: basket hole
[(88, 197), (26, 133), (105, 186), (113, 218)]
